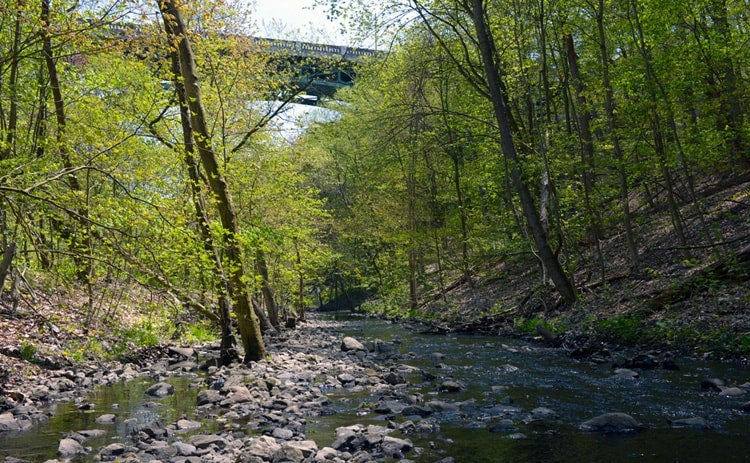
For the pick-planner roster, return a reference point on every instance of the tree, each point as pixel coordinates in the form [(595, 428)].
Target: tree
[(247, 321)]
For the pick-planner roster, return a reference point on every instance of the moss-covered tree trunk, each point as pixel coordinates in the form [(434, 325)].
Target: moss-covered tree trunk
[(247, 322)]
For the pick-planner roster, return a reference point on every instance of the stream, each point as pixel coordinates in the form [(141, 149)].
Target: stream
[(504, 381)]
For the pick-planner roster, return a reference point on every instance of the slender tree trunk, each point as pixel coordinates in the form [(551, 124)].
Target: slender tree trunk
[(492, 73), (247, 321), (301, 285), (201, 215), (609, 108), (583, 118), (659, 147), (265, 288), (10, 138), (80, 238)]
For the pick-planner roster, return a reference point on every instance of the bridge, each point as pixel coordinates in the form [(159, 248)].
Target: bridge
[(321, 69)]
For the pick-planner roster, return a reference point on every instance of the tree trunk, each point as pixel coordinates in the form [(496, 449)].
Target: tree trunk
[(609, 108), (79, 241), (247, 321), (265, 288), (201, 216), (583, 118), (501, 111)]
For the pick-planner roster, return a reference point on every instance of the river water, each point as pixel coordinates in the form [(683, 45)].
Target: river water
[(528, 376), (502, 376)]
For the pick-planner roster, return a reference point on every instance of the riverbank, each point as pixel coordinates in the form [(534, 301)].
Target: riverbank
[(364, 390), (260, 409), (688, 300)]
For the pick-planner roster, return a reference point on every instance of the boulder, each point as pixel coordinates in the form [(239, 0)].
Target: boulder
[(287, 454), (204, 441), (395, 447), (351, 344), (694, 422), (69, 448), (346, 378), (394, 379), (326, 453), (451, 386), (182, 352), (732, 392), (209, 396), (184, 449), (612, 423), (187, 425), (263, 447), (712, 384), (307, 447), (107, 418), (152, 430), (8, 423), (113, 450), (160, 390), (282, 433), (626, 373)]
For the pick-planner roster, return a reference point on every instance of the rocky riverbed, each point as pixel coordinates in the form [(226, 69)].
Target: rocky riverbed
[(261, 408), (260, 412)]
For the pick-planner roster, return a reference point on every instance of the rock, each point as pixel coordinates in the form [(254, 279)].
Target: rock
[(351, 344), (503, 427), (695, 422), (185, 449), (626, 373), (346, 378), (611, 423), (113, 450), (395, 447), (712, 384), (442, 406), (543, 414), (92, 433), (263, 447), (451, 386), (240, 394), (507, 368), (416, 410), (282, 433), (69, 448), (8, 423), (204, 441), (437, 358), (184, 352), (160, 390), (745, 407), (152, 430), (732, 392), (394, 379), (374, 435), (187, 425), (107, 418), (326, 453), (307, 447), (209, 396), (348, 438), (389, 407), (287, 454)]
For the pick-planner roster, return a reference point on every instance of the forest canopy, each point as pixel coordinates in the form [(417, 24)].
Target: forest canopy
[(137, 146)]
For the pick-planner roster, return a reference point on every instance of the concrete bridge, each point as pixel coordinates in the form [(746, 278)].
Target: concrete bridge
[(321, 68)]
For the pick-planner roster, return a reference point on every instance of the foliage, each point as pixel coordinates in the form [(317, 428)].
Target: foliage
[(405, 191)]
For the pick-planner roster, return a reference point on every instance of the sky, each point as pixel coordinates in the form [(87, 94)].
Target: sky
[(295, 20)]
